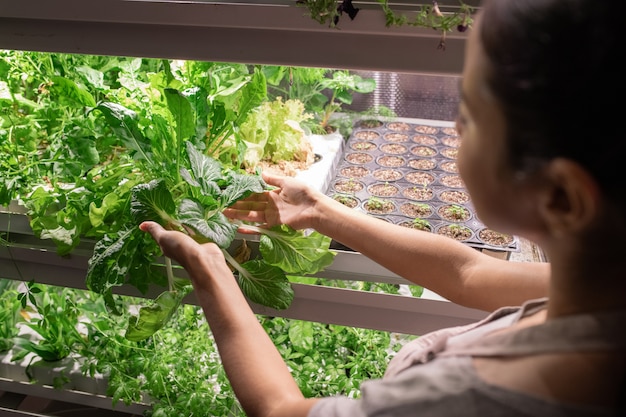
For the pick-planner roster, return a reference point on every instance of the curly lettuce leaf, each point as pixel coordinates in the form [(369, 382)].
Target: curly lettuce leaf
[(272, 132)]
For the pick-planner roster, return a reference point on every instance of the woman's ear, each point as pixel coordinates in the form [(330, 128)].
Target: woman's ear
[(571, 197)]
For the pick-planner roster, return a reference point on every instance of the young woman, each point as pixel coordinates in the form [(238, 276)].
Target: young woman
[(539, 155)]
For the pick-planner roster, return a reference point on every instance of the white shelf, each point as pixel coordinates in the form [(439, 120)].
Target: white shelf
[(28, 258)]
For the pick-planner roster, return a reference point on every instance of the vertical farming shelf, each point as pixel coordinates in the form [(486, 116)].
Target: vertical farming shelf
[(262, 32), (248, 32)]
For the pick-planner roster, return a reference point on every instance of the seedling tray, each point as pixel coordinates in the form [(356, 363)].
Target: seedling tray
[(422, 155)]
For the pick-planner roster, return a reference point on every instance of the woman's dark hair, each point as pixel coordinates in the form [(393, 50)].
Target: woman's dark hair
[(555, 67)]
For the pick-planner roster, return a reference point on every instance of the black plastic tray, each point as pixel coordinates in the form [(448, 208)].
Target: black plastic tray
[(443, 141)]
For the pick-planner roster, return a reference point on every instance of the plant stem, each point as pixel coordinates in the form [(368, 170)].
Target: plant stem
[(170, 273), (232, 261)]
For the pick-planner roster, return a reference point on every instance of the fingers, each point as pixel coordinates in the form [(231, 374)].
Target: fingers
[(249, 209), (249, 205), (256, 216)]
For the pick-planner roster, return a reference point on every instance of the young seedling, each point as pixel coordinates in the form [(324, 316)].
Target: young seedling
[(421, 224), (375, 203), (345, 199), (457, 212), (353, 184), (457, 230)]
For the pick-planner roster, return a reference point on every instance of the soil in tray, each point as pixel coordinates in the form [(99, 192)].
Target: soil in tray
[(391, 161), (454, 213), (375, 205), (455, 231), (367, 135), (418, 224), (384, 174), (419, 193), (398, 126), (450, 153), (420, 178), (425, 140), (491, 237), (393, 148), (449, 166), (349, 186), (429, 130), (408, 172), (416, 210), (424, 164), (346, 200), (451, 141), (452, 181), (424, 151), (449, 131), (359, 158), (363, 146), (383, 190), (355, 171), (454, 197), (396, 137)]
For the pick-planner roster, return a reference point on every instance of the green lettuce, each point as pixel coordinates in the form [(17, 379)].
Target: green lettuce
[(272, 132)]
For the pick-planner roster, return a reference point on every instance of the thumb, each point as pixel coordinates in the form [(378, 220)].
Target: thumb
[(151, 227), (275, 180)]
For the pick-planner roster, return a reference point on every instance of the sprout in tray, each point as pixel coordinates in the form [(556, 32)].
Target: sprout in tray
[(195, 208)]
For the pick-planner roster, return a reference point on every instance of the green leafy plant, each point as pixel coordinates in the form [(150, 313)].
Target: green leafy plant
[(341, 85), (177, 371), (324, 92), (10, 313), (273, 132), (197, 210), (55, 322)]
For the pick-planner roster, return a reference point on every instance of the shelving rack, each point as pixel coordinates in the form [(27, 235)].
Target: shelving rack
[(252, 32)]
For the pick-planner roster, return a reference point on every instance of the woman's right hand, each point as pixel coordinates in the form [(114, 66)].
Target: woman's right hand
[(292, 203), (179, 246)]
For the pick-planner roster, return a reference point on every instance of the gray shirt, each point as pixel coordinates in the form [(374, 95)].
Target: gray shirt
[(433, 376)]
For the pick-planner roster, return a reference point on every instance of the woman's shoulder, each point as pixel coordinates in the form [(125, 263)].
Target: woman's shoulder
[(443, 388)]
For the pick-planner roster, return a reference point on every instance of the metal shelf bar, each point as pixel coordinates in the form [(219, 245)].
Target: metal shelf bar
[(225, 32), (379, 311), (70, 396)]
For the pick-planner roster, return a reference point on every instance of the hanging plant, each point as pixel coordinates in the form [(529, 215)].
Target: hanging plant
[(426, 16), (328, 11)]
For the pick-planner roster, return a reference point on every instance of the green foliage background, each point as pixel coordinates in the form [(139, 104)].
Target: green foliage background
[(77, 133)]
